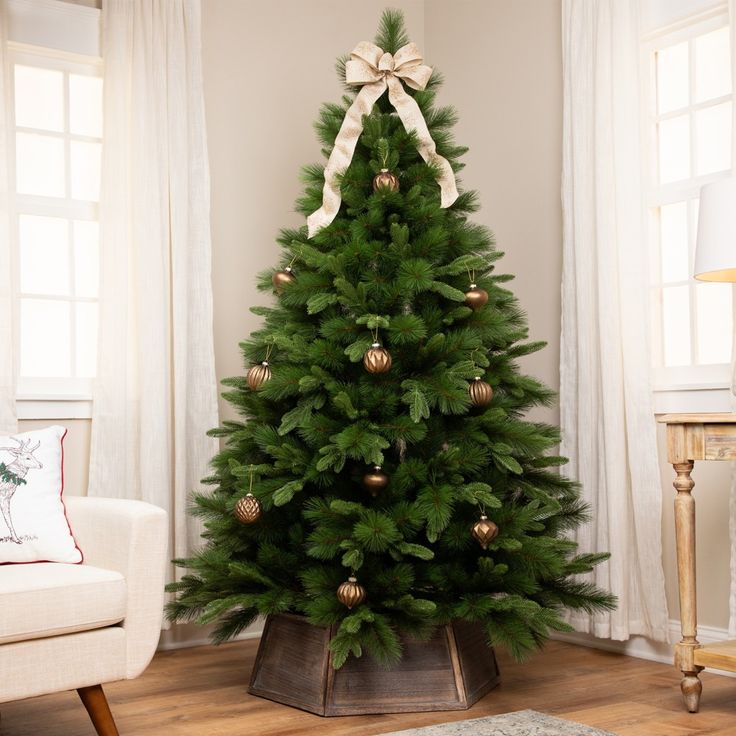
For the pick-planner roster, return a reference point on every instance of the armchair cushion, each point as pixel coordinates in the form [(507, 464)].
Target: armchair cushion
[(49, 599)]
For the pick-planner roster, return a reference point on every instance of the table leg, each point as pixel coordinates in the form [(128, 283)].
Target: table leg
[(685, 539)]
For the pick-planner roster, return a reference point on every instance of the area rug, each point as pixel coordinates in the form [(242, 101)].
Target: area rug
[(520, 723)]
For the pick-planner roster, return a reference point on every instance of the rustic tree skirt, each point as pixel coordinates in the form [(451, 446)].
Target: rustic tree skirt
[(450, 671)]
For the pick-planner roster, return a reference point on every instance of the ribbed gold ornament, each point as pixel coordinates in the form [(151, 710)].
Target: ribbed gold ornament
[(384, 179), (258, 375), (484, 531), (476, 298), (375, 481), (248, 509), (377, 359), (480, 392), (280, 279), (351, 593)]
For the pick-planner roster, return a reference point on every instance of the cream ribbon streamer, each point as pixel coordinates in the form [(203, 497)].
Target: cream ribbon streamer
[(375, 70)]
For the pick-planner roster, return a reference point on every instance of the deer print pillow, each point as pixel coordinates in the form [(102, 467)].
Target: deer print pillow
[(33, 523)]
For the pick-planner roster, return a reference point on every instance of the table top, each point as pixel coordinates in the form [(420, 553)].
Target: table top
[(716, 418)]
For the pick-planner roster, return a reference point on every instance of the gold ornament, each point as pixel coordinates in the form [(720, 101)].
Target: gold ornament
[(480, 392), (375, 481), (377, 359), (258, 375), (475, 298), (281, 279), (248, 510), (351, 593), (484, 531), (385, 180)]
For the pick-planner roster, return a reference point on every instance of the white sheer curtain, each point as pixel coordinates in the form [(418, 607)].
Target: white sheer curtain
[(607, 417), (156, 392), (732, 619), (8, 419)]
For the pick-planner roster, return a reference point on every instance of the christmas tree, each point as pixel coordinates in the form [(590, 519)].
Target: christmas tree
[(383, 477)]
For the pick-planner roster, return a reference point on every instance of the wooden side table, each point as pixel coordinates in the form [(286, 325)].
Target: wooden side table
[(693, 437)]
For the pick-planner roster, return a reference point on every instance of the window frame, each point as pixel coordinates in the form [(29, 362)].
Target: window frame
[(64, 36), (690, 387)]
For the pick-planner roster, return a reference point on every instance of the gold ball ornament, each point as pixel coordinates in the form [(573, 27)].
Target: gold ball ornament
[(258, 375), (248, 509), (384, 179), (480, 392), (375, 481), (377, 359), (484, 531), (351, 593), (281, 279), (476, 298)]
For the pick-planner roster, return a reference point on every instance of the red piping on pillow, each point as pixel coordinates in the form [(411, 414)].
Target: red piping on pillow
[(63, 505)]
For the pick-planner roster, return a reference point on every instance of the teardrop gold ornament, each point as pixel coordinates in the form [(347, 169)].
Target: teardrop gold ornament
[(258, 375), (480, 392), (377, 359), (351, 593), (375, 481), (476, 298), (384, 179), (281, 279), (248, 509), (484, 531)]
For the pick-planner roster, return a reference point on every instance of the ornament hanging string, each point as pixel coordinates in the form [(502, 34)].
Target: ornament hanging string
[(376, 71)]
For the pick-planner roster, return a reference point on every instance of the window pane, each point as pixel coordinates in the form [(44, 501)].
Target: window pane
[(674, 242), (712, 65), (44, 255), (44, 341), (674, 149), (676, 325), (85, 163), (39, 98), (86, 339), (715, 322), (39, 165), (86, 257), (85, 105), (672, 77), (713, 138)]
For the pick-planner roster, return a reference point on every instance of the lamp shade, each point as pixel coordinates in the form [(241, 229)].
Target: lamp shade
[(715, 253)]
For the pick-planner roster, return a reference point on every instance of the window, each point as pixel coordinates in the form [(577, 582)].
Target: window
[(56, 116), (688, 102)]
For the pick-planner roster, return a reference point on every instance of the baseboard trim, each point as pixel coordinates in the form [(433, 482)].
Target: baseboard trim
[(637, 646), (203, 641), (643, 648)]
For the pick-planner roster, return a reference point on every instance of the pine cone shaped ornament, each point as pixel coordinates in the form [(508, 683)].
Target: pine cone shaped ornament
[(484, 531), (480, 392), (377, 359), (476, 298), (281, 279), (248, 509), (384, 179), (351, 593), (258, 375)]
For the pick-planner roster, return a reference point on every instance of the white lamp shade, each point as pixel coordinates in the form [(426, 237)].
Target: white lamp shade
[(715, 253)]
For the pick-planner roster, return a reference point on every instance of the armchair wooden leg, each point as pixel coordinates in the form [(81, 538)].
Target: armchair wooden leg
[(99, 711)]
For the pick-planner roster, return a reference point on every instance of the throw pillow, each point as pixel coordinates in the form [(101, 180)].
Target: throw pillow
[(33, 523)]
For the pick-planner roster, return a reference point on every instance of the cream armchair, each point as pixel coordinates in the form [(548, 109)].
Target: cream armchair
[(66, 627)]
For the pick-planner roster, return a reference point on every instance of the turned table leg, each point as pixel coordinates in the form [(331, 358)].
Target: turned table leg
[(685, 539)]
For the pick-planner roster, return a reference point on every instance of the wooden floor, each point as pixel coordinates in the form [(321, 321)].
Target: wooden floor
[(202, 692)]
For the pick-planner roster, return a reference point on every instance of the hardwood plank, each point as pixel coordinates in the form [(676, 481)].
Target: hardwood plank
[(203, 692)]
